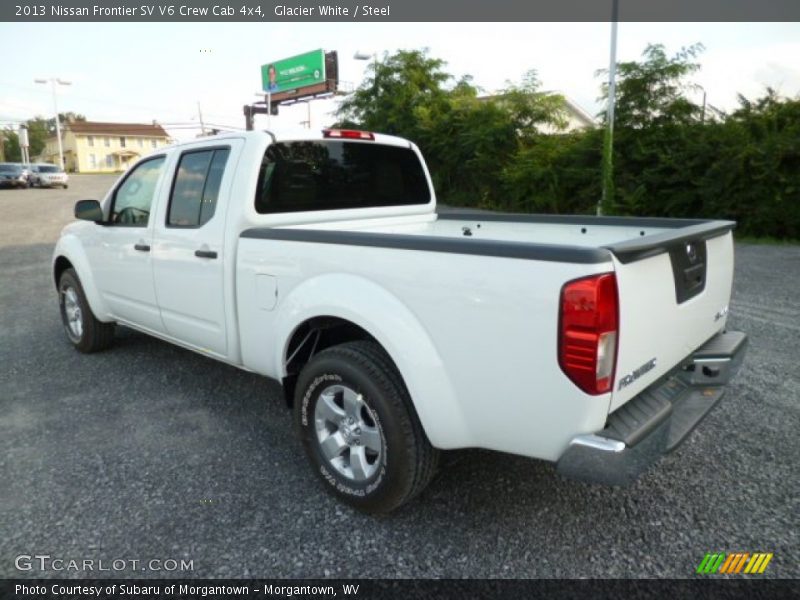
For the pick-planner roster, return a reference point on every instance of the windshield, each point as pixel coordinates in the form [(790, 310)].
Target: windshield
[(48, 169), (328, 175), (10, 169)]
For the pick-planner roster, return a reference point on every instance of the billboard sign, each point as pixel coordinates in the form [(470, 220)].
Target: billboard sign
[(294, 73)]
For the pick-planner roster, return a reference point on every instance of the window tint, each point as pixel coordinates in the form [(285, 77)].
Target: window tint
[(133, 198), (298, 176), (196, 187)]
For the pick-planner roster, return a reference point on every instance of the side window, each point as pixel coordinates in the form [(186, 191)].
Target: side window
[(196, 188), (133, 198)]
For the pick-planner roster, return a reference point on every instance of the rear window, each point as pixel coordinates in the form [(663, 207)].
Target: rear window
[(329, 175)]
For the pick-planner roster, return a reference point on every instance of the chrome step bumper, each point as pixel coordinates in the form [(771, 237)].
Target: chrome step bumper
[(657, 420)]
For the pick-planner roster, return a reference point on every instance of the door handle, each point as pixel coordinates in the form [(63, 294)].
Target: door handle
[(141, 247), (205, 254)]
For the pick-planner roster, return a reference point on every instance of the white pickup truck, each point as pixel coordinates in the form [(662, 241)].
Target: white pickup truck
[(320, 260)]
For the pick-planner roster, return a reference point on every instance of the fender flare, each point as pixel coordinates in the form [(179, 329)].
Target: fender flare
[(394, 326), (70, 248)]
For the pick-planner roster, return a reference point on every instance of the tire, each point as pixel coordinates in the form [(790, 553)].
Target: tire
[(359, 428), (65, 186), (83, 329)]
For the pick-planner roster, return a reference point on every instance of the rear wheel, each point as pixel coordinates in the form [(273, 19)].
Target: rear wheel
[(83, 329), (359, 429)]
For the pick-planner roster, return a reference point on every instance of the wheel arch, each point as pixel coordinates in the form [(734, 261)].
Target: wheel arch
[(356, 308), (69, 253)]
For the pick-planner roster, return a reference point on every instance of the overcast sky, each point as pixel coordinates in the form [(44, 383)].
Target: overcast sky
[(139, 72)]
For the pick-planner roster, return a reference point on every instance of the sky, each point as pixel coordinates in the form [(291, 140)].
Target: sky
[(138, 72)]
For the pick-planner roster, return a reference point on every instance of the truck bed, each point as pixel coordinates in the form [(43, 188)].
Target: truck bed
[(525, 236)]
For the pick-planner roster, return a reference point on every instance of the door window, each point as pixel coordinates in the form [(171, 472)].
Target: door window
[(196, 188), (133, 198)]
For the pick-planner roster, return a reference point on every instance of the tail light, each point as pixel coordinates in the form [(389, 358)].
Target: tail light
[(349, 134), (588, 328)]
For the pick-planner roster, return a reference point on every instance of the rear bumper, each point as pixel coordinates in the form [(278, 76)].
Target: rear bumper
[(657, 420)]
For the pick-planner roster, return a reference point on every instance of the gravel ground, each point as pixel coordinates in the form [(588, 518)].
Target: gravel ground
[(152, 452)]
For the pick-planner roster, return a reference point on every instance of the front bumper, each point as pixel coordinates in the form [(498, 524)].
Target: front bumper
[(657, 420), (13, 183), (52, 182)]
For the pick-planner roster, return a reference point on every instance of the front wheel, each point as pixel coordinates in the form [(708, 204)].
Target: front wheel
[(359, 428), (83, 329)]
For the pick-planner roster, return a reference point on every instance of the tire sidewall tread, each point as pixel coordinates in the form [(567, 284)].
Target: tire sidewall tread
[(408, 458), (96, 334)]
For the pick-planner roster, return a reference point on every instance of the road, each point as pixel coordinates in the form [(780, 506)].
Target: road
[(148, 452)]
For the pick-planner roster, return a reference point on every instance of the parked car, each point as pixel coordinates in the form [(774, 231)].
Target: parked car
[(319, 259), (13, 175), (47, 175)]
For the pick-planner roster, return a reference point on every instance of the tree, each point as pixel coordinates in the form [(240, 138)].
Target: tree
[(39, 130), (467, 140), (651, 113), (652, 91), (10, 141), (399, 90)]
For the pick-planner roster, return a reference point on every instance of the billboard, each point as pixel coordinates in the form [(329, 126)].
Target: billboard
[(296, 72)]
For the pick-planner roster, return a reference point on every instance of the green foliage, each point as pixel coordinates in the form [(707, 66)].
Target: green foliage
[(466, 139), (401, 89), (652, 92), (509, 152), (39, 129), (11, 149)]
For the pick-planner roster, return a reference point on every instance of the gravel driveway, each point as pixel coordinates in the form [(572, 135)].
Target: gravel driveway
[(150, 452)]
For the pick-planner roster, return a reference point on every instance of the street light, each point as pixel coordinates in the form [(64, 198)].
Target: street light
[(366, 56), (606, 198), (54, 81), (703, 112)]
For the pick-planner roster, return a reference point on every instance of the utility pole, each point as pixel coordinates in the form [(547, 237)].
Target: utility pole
[(703, 113), (366, 56), (608, 141), (200, 116), (23, 143), (54, 81)]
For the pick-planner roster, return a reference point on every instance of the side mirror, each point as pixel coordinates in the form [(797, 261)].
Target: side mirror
[(88, 210)]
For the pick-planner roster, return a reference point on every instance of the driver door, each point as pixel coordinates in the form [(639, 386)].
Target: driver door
[(120, 254)]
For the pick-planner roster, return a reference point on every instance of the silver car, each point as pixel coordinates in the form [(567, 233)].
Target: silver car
[(47, 175)]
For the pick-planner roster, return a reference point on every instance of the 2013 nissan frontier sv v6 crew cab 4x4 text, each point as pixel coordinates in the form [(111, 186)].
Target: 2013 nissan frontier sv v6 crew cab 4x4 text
[(320, 260)]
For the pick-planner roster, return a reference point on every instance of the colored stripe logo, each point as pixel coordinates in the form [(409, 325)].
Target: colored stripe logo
[(734, 563)]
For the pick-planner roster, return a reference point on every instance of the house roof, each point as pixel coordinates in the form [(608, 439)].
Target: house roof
[(97, 128)]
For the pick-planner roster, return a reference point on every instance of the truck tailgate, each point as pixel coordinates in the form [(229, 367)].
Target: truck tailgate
[(670, 302)]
